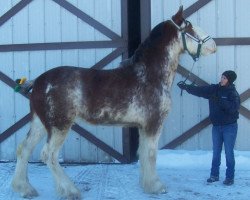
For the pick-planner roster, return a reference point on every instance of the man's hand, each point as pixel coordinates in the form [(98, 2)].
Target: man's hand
[(182, 85)]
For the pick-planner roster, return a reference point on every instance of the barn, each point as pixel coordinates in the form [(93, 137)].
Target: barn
[(37, 35)]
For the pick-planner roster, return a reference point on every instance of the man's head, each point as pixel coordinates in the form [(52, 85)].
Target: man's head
[(228, 77)]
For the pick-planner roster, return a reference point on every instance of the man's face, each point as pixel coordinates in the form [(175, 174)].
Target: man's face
[(223, 80)]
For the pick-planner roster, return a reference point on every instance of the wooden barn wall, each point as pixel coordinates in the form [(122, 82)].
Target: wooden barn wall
[(221, 19), (44, 21)]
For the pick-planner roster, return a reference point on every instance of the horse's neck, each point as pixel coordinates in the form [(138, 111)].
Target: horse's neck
[(160, 61), (166, 67), (173, 53)]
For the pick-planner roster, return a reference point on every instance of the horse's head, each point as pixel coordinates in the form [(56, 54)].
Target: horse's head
[(195, 41)]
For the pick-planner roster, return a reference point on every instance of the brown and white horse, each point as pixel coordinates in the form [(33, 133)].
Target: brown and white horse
[(137, 93)]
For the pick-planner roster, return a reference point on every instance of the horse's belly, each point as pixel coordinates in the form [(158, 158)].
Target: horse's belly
[(111, 116)]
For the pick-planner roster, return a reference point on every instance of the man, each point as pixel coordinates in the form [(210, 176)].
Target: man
[(224, 102)]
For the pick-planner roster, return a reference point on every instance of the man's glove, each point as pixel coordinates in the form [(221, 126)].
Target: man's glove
[(182, 85)]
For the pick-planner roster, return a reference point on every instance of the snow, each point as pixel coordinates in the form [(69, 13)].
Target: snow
[(184, 172)]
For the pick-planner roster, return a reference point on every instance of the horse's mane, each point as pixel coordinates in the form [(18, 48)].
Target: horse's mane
[(155, 35), (156, 32)]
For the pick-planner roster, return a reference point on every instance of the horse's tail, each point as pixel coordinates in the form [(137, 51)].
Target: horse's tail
[(24, 86)]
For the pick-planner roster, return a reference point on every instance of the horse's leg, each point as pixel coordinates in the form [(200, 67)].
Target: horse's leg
[(64, 185), (20, 182), (149, 180)]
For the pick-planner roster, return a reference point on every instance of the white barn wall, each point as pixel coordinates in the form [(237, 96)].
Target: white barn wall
[(220, 18), (44, 21), (8, 116)]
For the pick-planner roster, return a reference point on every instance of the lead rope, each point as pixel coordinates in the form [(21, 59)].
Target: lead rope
[(195, 57), (184, 82)]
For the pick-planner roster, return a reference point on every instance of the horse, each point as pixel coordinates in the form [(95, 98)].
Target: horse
[(136, 93)]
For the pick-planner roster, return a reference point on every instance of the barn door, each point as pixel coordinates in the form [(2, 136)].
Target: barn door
[(37, 35)]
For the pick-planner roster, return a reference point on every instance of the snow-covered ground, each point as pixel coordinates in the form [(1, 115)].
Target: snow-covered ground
[(184, 172)]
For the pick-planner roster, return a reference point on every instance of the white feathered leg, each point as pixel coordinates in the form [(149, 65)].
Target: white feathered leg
[(149, 180), (20, 182), (64, 185)]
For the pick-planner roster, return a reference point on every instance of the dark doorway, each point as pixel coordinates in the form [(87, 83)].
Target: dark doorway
[(134, 40)]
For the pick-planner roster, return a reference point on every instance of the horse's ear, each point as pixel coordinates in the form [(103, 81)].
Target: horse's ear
[(178, 17)]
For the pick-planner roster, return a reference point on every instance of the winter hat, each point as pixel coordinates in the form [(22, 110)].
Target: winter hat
[(230, 75)]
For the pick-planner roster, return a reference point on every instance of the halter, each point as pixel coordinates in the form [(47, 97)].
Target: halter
[(199, 41)]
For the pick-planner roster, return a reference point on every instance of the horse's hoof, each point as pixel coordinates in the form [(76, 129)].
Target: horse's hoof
[(159, 188), (163, 190), (74, 197), (155, 187), (69, 193), (30, 194), (25, 189)]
